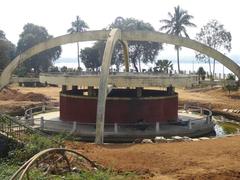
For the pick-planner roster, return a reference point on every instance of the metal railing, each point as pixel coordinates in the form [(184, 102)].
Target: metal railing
[(13, 128), (37, 110), (89, 73)]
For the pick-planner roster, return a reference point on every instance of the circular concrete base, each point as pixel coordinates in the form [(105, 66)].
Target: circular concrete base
[(128, 133)]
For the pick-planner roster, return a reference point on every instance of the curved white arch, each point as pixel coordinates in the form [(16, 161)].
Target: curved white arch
[(61, 40), (114, 36), (185, 42), (126, 36)]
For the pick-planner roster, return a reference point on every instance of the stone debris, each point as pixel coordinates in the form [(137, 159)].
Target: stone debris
[(195, 139), (160, 139), (204, 138), (186, 139), (177, 138), (237, 111), (147, 141)]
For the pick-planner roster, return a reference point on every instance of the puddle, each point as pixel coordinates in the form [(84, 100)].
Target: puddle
[(225, 126)]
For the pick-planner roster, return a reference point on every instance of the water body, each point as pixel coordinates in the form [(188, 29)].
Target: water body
[(225, 127)]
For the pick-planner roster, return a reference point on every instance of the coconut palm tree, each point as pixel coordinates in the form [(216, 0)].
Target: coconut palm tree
[(78, 26), (176, 25), (163, 66)]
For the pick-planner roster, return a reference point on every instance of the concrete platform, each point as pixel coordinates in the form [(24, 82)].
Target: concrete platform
[(190, 124)]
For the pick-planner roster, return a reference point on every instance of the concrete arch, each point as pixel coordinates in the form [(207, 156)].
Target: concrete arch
[(126, 36), (191, 44), (114, 36), (61, 40)]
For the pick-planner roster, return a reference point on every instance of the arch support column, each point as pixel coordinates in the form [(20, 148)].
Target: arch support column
[(113, 37)]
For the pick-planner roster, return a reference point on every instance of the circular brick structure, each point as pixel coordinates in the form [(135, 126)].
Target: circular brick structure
[(126, 106)]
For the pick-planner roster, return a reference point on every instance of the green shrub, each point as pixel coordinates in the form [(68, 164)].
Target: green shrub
[(34, 144)]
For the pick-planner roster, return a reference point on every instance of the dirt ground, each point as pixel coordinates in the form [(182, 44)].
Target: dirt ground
[(217, 98), (212, 159), (15, 100)]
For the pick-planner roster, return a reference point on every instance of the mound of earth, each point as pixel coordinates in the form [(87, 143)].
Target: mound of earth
[(13, 94)]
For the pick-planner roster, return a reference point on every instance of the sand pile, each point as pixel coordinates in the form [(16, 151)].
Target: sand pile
[(11, 94)]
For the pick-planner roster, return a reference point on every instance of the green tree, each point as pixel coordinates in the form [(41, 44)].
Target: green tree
[(163, 66), (201, 73), (32, 35), (230, 84), (138, 51), (7, 50), (176, 25), (78, 26), (214, 35), (91, 58)]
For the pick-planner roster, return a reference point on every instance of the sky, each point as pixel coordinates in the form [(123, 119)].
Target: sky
[(57, 16)]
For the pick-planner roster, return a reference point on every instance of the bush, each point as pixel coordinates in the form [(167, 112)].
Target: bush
[(35, 143), (201, 73), (230, 84)]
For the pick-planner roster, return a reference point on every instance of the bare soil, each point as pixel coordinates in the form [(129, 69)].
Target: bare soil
[(15, 100), (211, 159)]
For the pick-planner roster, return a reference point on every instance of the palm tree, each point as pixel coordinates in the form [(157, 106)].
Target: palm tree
[(176, 25), (78, 26), (163, 66)]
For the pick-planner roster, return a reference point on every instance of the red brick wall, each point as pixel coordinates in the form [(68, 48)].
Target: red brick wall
[(120, 111)]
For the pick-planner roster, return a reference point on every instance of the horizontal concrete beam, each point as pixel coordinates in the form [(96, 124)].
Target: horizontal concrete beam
[(121, 80), (23, 79)]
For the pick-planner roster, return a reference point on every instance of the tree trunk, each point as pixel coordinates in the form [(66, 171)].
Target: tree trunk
[(135, 66), (78, 57), (178, 59), (139, 65)]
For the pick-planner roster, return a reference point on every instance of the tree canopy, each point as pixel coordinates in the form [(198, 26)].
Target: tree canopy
[(214, 35), (176, 25), (7, 50), (78, 26), (139, 52), (163, 66), (32, 35), (92, 57)]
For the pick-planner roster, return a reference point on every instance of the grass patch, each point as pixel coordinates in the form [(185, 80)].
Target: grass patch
[(229, 128), (35, 143)]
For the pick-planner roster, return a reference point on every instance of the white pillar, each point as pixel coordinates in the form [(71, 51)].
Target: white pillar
[(157, 127), (115, 128), (189, 124), (42, 123)]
